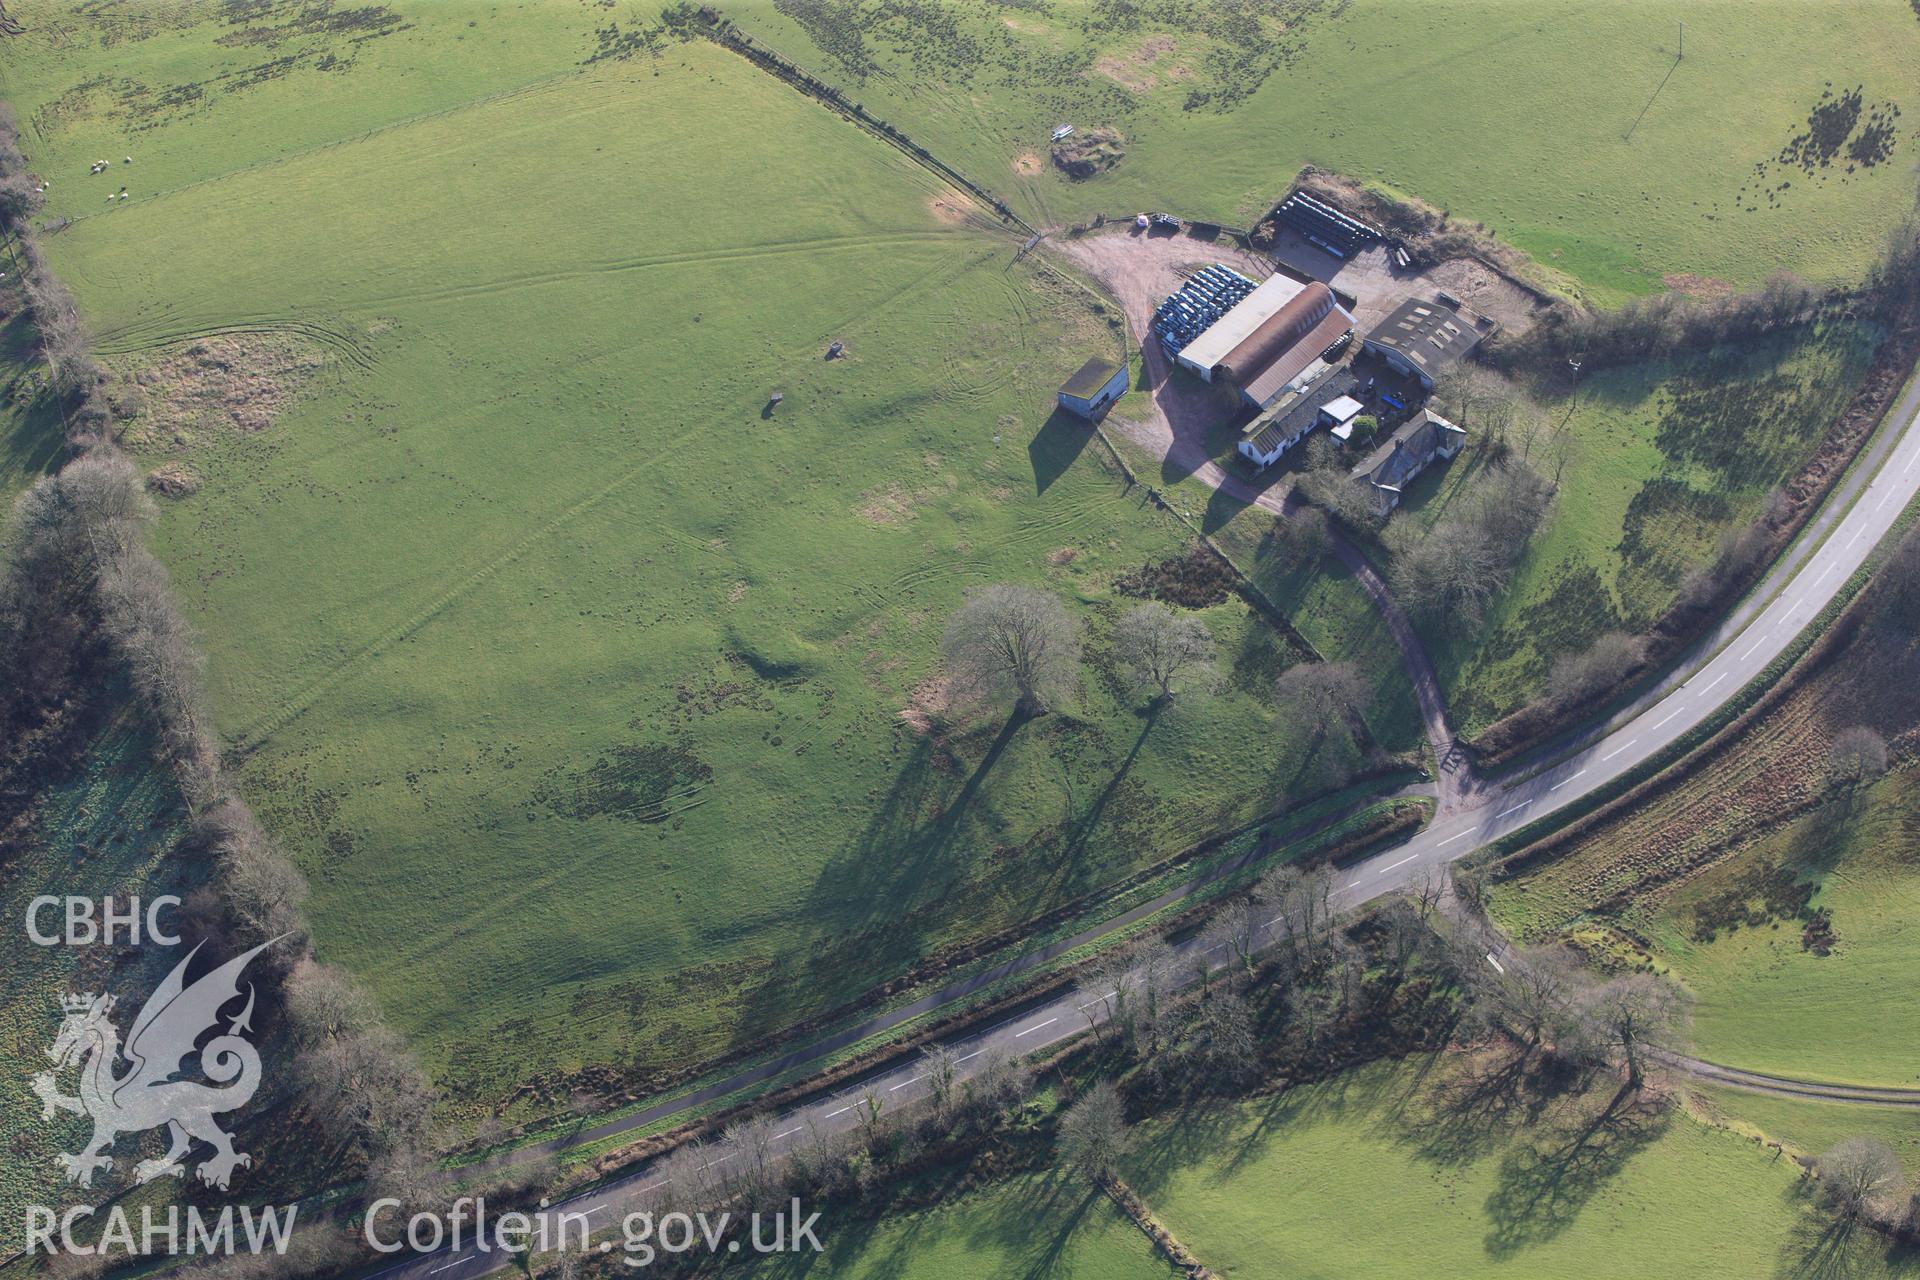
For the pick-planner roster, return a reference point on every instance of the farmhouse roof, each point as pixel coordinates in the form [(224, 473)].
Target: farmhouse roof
[(1408, 450), (1430, 334), (1089, 378), (1294, 414)]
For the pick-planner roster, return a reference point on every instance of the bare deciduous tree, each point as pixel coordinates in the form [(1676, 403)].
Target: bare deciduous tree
[(1861, 1178), (1470, 884), (998, 1085), (1459, 566), (1224, 1044), (1327, 695), (365, 1083), (323, 1002), (1632, 1014), (1093, 1133), (1858, 755), (1300, 900), (1531, 995), (1105, 995), (1578, 677), (1300, 539), (942, 1068), (1157, 967), (1232, 935), (1164, 651), (1015, 643)]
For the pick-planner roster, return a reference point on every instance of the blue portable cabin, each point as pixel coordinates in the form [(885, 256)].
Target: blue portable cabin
[(1093, 389)]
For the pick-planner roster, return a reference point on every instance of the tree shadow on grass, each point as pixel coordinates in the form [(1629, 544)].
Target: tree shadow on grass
[(1544, 1184), (1478, 1107), (1821, 1246), (856, 918)]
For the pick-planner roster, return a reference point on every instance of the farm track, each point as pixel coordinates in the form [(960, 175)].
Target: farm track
[(125, 342), (1788, 1086), (165, 329)]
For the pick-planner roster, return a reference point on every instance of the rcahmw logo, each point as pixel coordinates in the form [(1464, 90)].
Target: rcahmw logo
[(151, 1093)]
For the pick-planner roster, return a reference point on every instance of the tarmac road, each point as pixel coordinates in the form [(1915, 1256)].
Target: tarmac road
[(1836, 543)]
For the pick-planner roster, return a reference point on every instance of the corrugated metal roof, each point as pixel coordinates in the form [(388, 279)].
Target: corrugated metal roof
[(1247, 315)]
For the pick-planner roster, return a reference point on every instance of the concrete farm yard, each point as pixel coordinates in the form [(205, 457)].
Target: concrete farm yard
[(575, 680)]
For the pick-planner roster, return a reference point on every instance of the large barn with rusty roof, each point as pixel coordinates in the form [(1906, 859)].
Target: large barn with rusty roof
[(1271, 341)]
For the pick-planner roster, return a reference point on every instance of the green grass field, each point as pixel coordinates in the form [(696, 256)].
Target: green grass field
[(1516, 115), (1765, 1001), (1654, 464), (1400, 1170), (571, 675), (1052, 1226)]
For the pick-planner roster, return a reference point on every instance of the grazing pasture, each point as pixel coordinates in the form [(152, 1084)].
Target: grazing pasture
[(1654, 464), (1572, 130), (1053, 1224), (593, 690), (1785, 901), (1478, 1184)]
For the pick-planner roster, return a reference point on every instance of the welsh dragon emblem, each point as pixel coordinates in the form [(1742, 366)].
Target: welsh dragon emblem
[(147, 1095)]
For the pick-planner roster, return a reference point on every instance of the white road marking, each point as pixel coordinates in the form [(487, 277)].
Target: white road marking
[(1670, 715), (1716, 680), (1517, 808), (789, 1133), (895, 1088), (437, 1270), (1089, 1004), (1353, 884), (1449, 840), (1617, 750), (1035, 1027), (970, 1057), (1753, 648), (597, 1208), (842, 1111), (1494, 963), (1564, 781), (1403, 862)]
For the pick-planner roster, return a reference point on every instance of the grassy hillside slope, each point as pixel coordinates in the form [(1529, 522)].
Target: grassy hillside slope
[(1522, 116), (572, 674)]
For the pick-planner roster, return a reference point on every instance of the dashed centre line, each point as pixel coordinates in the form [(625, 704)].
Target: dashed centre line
[(1627, 745), (1036, 1026), (1517, 808), (1564, 781)]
